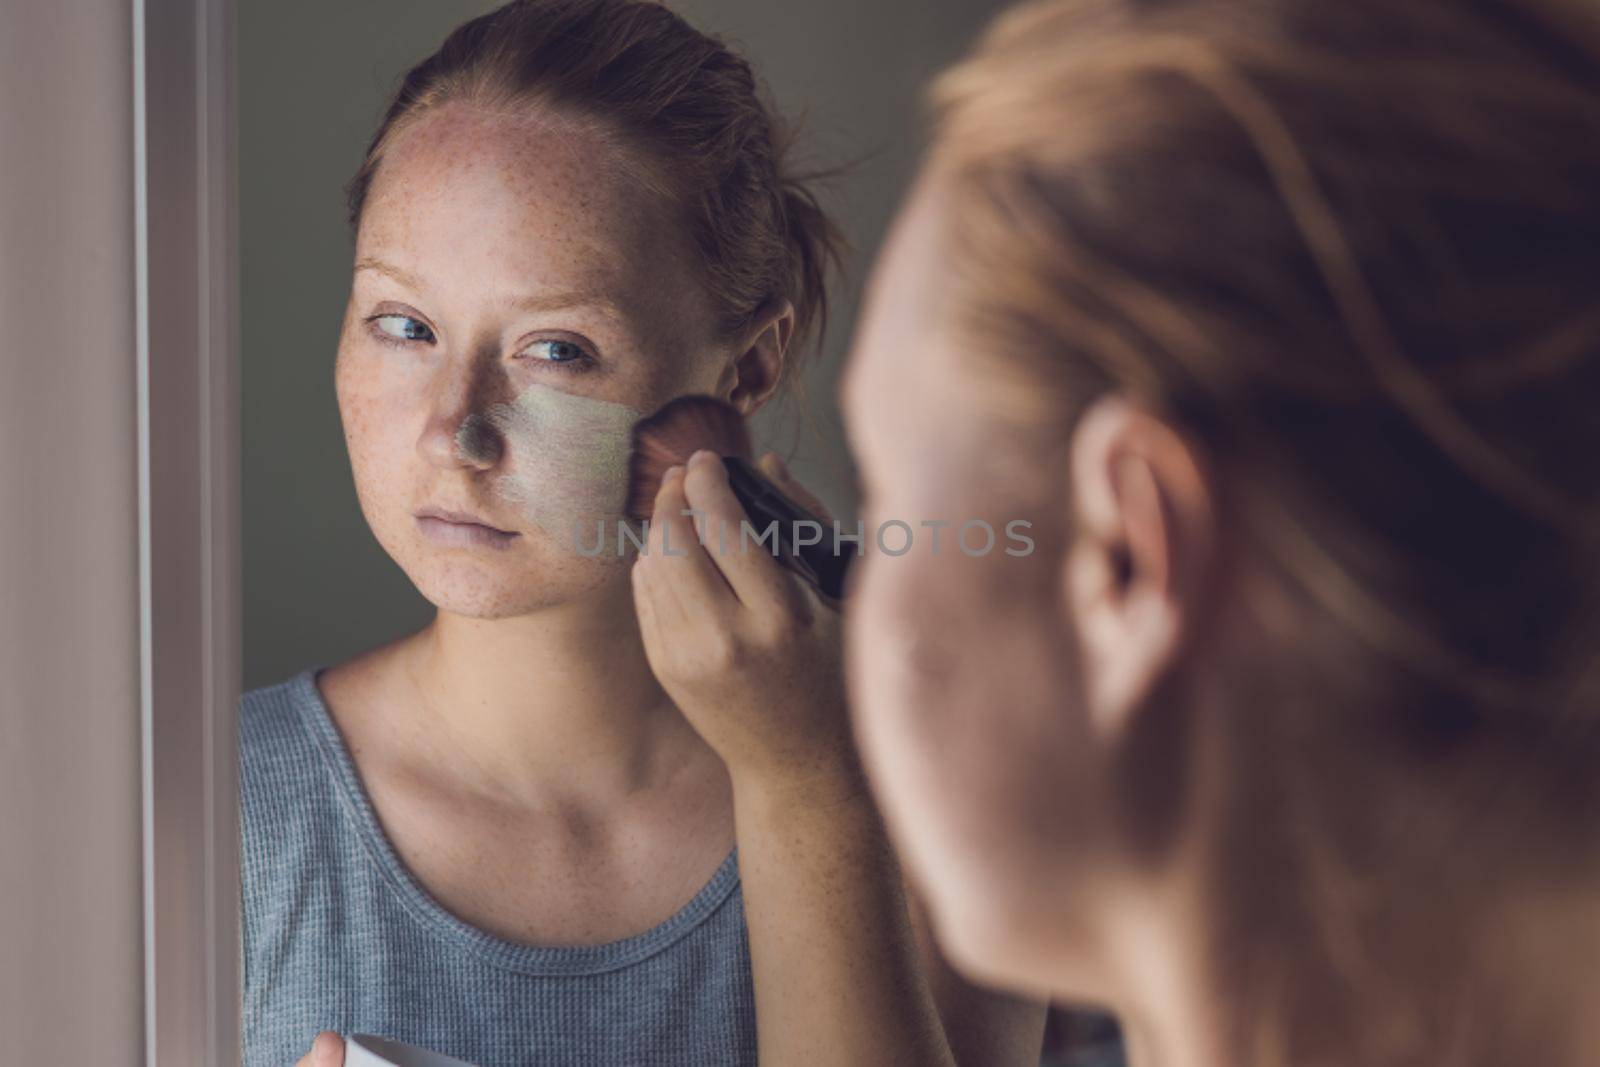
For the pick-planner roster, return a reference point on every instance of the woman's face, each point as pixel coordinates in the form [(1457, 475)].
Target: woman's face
[(962, 666), (505, 267)]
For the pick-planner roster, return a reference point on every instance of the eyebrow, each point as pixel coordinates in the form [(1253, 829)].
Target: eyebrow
[(573, 298), (388, 270), (533, 303)]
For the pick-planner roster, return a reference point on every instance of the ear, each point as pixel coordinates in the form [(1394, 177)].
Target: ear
[(1142, 553), (756, 367)]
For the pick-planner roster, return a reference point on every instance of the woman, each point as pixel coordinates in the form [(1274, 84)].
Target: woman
[(1276, 318), (510, 837)]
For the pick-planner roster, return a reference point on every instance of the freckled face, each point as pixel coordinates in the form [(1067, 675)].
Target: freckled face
[(961, 666), (493, 256)]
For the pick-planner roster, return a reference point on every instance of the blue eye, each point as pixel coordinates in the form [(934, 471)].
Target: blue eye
[(402, 328), (555, 351)]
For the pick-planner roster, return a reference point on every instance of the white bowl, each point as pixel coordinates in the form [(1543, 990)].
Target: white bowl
[(366, 1050)]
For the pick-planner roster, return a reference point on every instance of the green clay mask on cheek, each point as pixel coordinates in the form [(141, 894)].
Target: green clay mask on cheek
[(565, 461)]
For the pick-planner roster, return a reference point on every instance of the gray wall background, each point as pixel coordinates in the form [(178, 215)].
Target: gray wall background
[(313, 79)]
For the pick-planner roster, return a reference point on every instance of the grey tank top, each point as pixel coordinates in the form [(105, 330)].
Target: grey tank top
[(338, 935)]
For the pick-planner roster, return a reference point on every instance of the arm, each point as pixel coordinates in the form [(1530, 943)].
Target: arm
[(837, 976), (844, 953), (751, 656)]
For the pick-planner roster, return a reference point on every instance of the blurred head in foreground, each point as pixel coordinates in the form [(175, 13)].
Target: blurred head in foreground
[(1278, 322)]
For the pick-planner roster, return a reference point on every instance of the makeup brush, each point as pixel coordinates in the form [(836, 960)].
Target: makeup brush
[(670, 436)]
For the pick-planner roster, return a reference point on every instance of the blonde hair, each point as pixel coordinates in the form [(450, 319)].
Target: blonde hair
[(686, 107)]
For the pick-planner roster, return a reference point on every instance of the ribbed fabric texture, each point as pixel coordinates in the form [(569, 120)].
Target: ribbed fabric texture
[(338, 935)]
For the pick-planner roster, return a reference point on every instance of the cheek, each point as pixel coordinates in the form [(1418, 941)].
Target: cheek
[(378, 429), (566, 459), (384, 413), (958, 677), (962, 689)]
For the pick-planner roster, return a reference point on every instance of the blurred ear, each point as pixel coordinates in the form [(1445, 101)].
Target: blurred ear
[(754, 371), (1143, 548)]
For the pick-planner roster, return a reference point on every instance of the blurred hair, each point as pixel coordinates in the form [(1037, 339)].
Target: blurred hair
[(1350, 249)]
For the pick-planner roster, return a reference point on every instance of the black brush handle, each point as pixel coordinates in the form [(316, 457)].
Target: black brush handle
[(764, 503)]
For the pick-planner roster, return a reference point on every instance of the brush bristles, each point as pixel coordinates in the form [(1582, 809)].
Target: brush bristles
[(673, 434)]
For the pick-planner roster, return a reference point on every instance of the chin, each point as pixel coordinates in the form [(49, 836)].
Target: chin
[(503, 585), (999, 927), (478, 599), (967, 944), (993, 943)]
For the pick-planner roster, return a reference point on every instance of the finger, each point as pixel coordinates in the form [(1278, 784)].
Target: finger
[(756, 577), (778, 471), (659, 615), (327, 1050), (679, 563), (643, 601)]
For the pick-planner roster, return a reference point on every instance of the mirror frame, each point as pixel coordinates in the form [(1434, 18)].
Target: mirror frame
[(186, 271)]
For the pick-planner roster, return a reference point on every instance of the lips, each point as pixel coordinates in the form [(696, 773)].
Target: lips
[(460, 529), (459, 518)]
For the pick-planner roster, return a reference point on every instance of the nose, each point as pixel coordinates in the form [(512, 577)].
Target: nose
[(458, 433)]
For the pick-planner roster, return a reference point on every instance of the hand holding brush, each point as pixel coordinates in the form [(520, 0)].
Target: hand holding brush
[(751, 655), (770, 498), (748, 647)]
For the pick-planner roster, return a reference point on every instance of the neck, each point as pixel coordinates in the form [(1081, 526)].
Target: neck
[(1508, 978), (1162, 988), (558, 702)]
